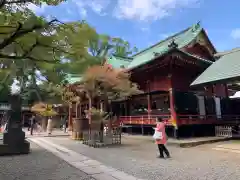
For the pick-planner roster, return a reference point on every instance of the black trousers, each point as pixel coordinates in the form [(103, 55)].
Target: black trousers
[(162, 149)]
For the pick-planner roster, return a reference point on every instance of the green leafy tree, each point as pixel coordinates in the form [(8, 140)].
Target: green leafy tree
[(8, 4), (30, 44), (98, 46)]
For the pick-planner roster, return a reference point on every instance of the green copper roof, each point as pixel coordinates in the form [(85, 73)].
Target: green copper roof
[(118, 62), (73, 78), (181, 39), (227, 67)]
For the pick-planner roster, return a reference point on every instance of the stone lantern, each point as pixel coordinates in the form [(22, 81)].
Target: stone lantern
[(13, 137)]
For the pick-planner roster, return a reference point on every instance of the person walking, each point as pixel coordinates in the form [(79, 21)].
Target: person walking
[(29, 123), (162, 140), (38, 128)]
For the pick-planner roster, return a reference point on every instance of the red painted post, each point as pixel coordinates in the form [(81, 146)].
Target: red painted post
[(226, 90), (149, 105), (173, 112)]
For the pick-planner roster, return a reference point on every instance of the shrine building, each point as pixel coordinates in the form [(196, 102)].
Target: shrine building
[(165, 72)]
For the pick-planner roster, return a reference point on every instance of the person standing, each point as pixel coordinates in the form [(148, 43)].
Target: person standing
[(163, 139), (49, 126), (33, 121)]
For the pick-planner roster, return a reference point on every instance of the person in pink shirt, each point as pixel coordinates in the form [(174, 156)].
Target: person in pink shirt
[(161, 142)]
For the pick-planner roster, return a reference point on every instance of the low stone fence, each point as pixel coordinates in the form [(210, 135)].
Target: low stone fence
[(223, 131), (107, 137)]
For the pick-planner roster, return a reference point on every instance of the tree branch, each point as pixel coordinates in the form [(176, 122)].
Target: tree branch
[(55, 48), (8, 40), (19, 1), (28, 57), (30, 49), (20, 32), (42, 60), (5, 2)]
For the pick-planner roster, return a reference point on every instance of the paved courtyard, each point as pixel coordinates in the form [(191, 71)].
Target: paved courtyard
[(137, 157), (55, 132), (38, 165)]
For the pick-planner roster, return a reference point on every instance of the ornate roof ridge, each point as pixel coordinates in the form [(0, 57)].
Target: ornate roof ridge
[(219, 54), (193, 27)]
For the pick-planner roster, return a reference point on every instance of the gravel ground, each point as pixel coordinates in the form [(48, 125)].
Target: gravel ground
[(38, 165), (138, 158)]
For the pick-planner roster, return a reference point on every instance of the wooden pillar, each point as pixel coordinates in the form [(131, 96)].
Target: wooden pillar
[(149, 105), (101, 106), (173, 112), (76, 110), (142, 123), (126, 108), (70, 118), (149, 100), (226, 91)]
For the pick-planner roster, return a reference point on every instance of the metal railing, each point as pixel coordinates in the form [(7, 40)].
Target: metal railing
[(223, 131)]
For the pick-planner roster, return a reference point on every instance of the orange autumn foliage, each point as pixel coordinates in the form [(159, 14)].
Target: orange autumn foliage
[(113, 82)]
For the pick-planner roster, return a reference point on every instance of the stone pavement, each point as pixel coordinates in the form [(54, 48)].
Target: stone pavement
[(38, 165), (92, 167), (56, 132), (188, 142), (231, 146), (137, 157)]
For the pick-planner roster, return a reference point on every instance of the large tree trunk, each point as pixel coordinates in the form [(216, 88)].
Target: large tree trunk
[(90, 116), (77, 124), (77, 129), (106, 105)]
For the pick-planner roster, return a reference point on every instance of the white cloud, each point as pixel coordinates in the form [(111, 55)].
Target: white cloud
[(97, 6), (235, 34), (15, 87), (145, 29), (37, 9), (149, 9), (142, 10), (69, 12)]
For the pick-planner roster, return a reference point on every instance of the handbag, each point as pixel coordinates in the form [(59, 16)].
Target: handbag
[(157, 135)]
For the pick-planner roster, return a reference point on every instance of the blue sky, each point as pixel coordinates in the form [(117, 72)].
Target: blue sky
[(145, 22)]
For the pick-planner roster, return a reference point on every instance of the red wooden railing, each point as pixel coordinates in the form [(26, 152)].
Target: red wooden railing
[(208, 119), (181, 119), (144, 119)]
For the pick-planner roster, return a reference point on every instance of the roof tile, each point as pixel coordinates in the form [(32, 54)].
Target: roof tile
[(182, 39), (226, 67)]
